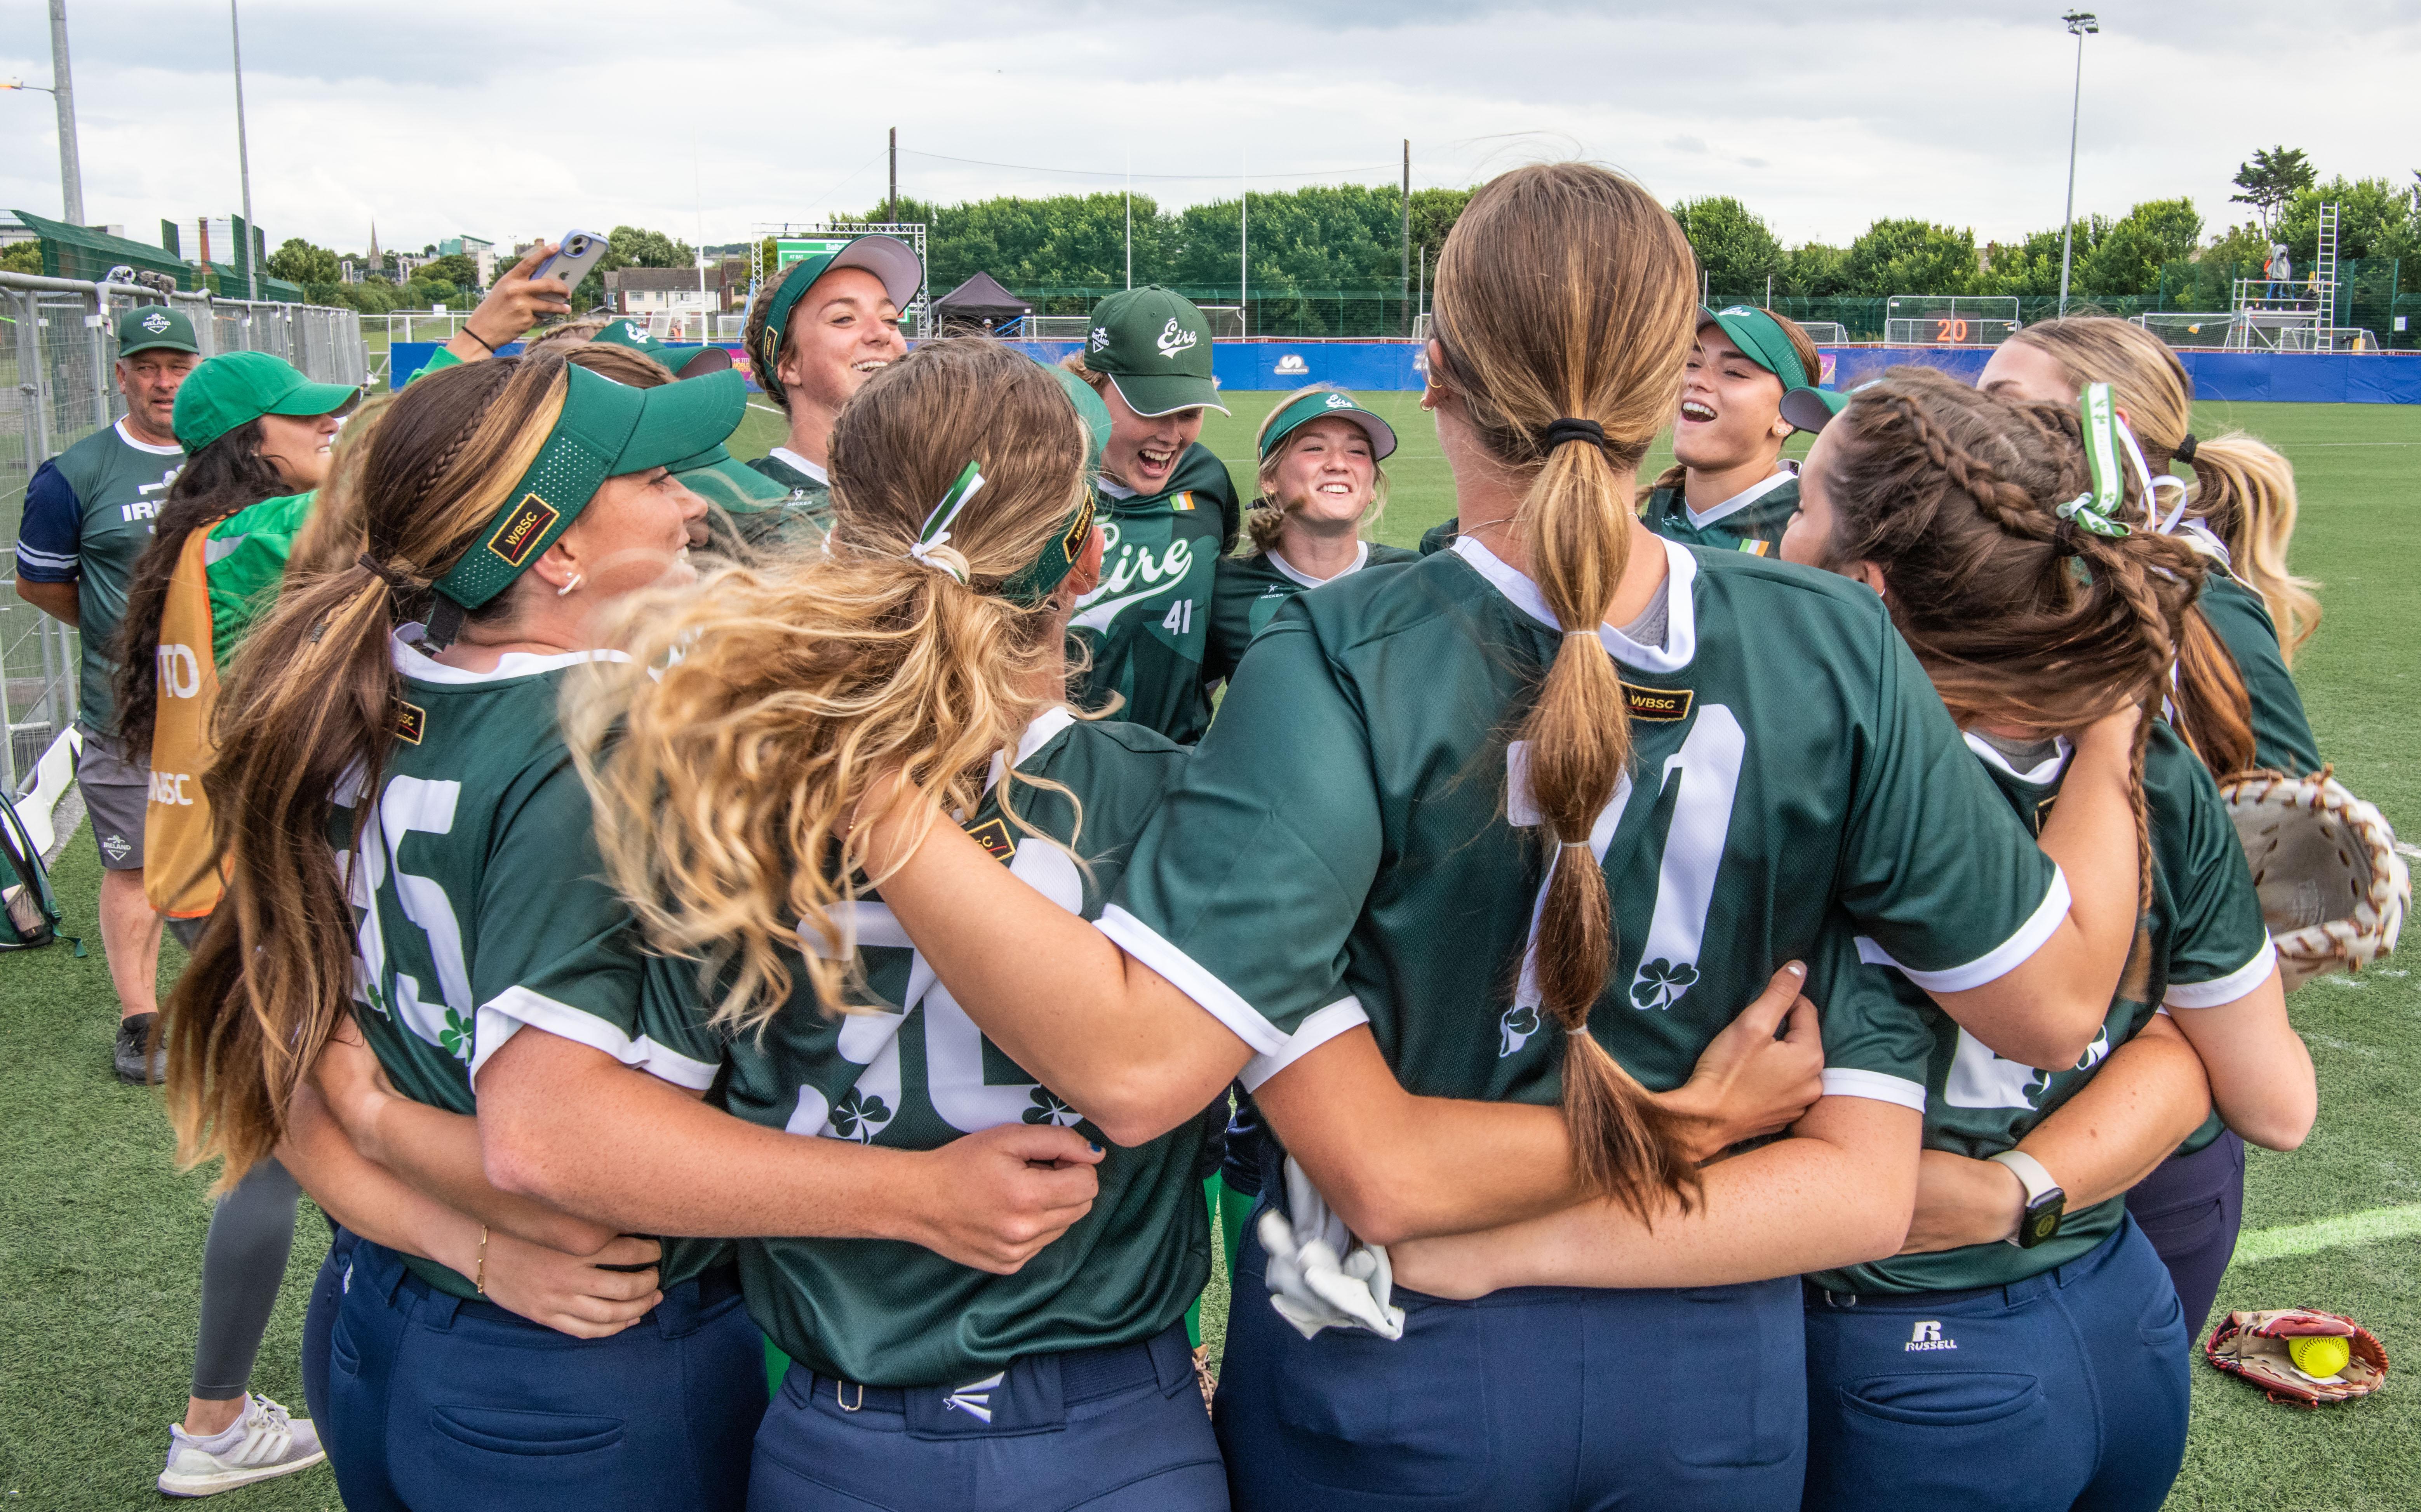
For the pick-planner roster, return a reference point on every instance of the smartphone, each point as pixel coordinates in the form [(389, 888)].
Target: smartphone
[(578, 251)]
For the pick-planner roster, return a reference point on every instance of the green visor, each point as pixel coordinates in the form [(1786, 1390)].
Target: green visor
[(1090, 410), (681, 362), (722, 480), (1760, 338), (235, 388), (1322, 403), (1811, 409), (606, 430)]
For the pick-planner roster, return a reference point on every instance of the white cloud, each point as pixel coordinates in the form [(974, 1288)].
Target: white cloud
[(448, 115)]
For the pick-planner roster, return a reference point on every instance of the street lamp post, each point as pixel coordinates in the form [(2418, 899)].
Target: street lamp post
[(244, 162), (2081, 23), (62, 93)]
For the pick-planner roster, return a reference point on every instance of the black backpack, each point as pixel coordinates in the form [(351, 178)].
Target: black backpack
[(29, 911)]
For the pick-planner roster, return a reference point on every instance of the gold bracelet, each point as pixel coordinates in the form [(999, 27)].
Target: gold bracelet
[(479, 1282)]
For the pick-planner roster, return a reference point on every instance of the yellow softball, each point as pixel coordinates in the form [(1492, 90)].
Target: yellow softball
[(2317, 1355)]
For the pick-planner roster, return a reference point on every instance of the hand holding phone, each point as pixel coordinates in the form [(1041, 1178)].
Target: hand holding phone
[(579, 253)]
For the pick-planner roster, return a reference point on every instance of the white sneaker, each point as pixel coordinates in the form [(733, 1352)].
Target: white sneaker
[(264, 1443)]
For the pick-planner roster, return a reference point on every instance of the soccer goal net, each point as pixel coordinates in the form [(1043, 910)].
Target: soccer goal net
[(1826, 332), (1949, 320), (1054, 327)]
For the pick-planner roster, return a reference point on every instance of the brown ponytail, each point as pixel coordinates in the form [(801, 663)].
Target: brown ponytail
[(1675, 477), (310, 711), (1565, 292)]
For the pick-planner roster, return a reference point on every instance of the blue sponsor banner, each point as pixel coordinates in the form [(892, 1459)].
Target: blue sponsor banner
[(406, 358), (2311, 378)]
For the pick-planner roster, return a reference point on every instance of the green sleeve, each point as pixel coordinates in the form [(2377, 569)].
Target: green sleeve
[(1248, 883), (569, 964), (439, 358), (2282, 735), (1877, 1035), (674, 1011), (1936, 868), (2218, 948), (1231, 620), (1222, 487), (246, 562), (1439, 536)]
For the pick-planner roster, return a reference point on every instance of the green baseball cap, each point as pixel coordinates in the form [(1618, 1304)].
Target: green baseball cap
[(1155, 346), (723, 480), (236, 388), (1090, 408), (681, 362), (1762, 341), (142, 327), (887, 258), (1320, 403), (605, 429)]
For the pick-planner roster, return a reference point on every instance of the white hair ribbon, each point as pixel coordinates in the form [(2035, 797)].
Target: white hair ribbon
[(936, 533)]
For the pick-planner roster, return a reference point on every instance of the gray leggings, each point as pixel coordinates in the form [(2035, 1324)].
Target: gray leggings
[(244, 1262)]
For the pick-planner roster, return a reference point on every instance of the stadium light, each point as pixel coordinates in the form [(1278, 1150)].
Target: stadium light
[(251, 247), (2081, 24), (62, 92)]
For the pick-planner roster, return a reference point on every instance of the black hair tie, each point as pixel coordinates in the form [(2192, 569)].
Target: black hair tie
[(1559, 431), (2063, 539), (393, 579), (2185, 448)]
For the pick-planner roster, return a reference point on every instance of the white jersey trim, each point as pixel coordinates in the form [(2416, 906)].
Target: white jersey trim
[(419, 666), (2229, 989), (1849, 1081), (502, 1015), (128, 436), (2042, 776), (1287, 568), (1739, 501), (791, 459), (1038, 733), (1212, 995), (1322, 1026), (1681, 622), (1997, 962)]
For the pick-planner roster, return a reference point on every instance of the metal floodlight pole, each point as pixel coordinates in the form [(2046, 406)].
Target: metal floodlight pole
[(1404, 283), (244, 162), (62, 93), (1244, 249), (891, 211), (1127, 195), (2081, 23)]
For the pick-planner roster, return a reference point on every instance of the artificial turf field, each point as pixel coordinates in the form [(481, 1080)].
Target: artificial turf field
[(101, 1239)]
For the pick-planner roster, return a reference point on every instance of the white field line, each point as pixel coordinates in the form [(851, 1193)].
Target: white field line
[(2328, 1234), (770, 409)]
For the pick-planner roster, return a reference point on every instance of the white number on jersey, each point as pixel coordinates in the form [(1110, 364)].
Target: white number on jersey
[(410, 804), (1179, 618)]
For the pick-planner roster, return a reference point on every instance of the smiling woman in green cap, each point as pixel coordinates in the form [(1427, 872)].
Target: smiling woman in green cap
[(408, 848), (256, 434), (815, 334), (1728, 487), (1170, 512)]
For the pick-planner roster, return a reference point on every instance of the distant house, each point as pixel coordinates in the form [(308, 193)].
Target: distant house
[(678, 290)]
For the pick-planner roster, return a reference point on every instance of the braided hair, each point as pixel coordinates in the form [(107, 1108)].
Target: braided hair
[(2015, 614)]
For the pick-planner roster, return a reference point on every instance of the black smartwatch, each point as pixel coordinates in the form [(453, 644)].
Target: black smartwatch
[(2045, 1201)]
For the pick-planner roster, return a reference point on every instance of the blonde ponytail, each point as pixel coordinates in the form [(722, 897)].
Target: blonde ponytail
[(1564, 309), (2245, 492)]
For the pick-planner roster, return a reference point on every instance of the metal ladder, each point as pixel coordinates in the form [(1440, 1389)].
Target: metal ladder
[(2324, 281)]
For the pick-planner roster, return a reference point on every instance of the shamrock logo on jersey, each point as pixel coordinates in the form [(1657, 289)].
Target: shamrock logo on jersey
[(860, 1116), (1661, 983), (1514, 1030), (456, 1036), (1048, 1109)]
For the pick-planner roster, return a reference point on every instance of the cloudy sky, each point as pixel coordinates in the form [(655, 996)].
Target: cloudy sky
[(436, 116)]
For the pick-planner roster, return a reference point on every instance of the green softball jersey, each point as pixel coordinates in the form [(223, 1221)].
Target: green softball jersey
[(243, 561), (1439, 536), (1246, 591), (1147, 625), (478, 900), (2200, 945), (1794, 782), (2282, 736), (1751, 520), (803, 519), (114, 486), (911, 1071)]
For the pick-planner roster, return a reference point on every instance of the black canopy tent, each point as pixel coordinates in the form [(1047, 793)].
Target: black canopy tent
[(979, 300)]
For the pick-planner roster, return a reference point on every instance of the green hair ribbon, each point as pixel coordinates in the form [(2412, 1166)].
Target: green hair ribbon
[(937, 525), (2098, 510)]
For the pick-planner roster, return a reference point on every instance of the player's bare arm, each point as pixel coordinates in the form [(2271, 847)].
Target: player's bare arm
[(572, 1126)]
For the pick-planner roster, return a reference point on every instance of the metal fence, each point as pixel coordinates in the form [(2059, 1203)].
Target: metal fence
[(58, 385)]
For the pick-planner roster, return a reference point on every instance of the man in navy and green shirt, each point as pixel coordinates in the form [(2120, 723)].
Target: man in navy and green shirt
[(88, 519)]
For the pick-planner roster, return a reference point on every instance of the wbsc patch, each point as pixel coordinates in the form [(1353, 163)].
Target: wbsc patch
[(411, 722), (1658, 706), (524, 528), (992, 835)]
